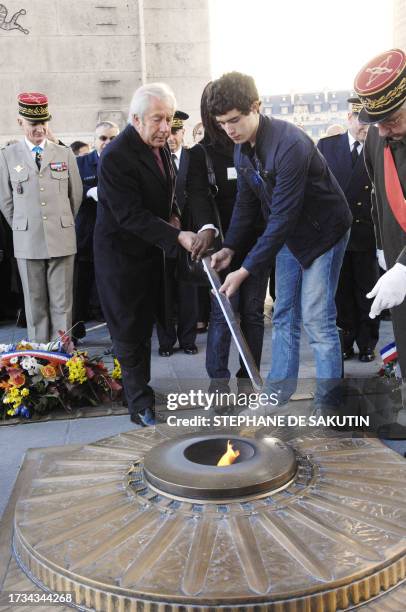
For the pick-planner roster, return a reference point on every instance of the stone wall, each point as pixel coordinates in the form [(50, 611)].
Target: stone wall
[(89, 56), (399, 24)]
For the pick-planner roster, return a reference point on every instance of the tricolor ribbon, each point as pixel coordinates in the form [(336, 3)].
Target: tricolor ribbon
[(393, 187), (389, 353)]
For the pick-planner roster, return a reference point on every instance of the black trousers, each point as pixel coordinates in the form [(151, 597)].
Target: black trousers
[(359, 273), (183, 312), (135, 362)]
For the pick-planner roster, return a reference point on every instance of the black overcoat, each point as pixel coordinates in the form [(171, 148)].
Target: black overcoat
[(390, 235), (131, 235)]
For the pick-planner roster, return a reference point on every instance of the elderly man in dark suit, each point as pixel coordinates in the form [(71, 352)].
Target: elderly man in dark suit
[(85, 221), (137, 221), (359, 272)]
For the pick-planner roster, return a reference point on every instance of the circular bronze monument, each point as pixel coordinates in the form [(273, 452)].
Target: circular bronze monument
[(186, 467), (132, 523)]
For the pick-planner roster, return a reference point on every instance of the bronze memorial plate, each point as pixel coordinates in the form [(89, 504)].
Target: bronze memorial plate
[(310, 524)]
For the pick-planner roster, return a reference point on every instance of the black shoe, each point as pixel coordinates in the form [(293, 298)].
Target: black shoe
[(165, 351), (191, 349), (348, 354), (366, 356), (146, 418)]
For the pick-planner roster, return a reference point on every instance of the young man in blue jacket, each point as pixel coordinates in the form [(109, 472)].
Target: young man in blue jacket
[(307, 228)]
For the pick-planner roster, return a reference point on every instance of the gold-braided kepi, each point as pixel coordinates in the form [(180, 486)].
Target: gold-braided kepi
[(355, 105), (178, 119), (34, 107), (381, 85)]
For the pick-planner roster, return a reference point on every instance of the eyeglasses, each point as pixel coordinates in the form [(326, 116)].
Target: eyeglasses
[(104, 138)]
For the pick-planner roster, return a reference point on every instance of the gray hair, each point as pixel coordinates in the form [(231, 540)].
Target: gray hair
[(142, 97), (107, 124)]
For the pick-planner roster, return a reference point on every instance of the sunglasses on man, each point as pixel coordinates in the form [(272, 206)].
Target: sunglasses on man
[(104, 138)]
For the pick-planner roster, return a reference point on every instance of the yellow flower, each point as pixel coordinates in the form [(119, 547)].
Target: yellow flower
[(116, 373), (25, 392), (14, 396), (77, 370)]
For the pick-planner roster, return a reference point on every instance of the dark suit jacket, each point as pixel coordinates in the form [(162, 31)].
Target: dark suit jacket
[(86, 218), (302, 203), (356, 186), (181, 179), (131, 234)]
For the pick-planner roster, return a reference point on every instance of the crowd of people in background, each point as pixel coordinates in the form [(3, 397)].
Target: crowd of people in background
[(93, 232)]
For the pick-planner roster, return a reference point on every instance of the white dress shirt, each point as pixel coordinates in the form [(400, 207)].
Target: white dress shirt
[(32, 146), (351, 141)]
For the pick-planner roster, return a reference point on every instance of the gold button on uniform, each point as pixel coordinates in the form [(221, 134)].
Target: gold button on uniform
[(42, 188), (43, 204), (45, 218), (356, 220), (366, 187), (359, 203)]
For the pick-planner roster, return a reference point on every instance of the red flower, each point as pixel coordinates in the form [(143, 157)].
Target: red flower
[(17, 379)]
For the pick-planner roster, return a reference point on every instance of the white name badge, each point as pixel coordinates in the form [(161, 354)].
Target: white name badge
[(231, 174)]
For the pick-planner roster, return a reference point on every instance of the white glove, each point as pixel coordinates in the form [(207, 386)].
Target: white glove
[(92, 193), (381, 259), (389, 291)]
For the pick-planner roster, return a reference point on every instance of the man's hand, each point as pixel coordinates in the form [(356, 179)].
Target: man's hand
[(187, 240), (204, 241), (233, 281), (381, 259), (174, 221), (222, 259), (92, 193), (389, 291)]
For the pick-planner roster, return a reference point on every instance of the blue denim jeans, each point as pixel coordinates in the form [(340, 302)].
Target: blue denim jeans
[(308, 296), (249, 303)]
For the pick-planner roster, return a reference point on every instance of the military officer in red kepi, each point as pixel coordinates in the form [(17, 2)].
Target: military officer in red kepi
[(381, 87), (40, 195)]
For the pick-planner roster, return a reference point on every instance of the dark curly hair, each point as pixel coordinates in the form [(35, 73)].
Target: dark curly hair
[(232, 90)]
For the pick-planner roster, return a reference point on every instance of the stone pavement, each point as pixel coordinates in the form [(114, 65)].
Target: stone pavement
[(167, 374)]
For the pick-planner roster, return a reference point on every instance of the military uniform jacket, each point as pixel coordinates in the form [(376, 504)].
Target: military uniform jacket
[(40, 205), (356, 185)]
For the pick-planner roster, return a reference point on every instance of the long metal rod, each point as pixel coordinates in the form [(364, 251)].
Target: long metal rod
[(233, 325)]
